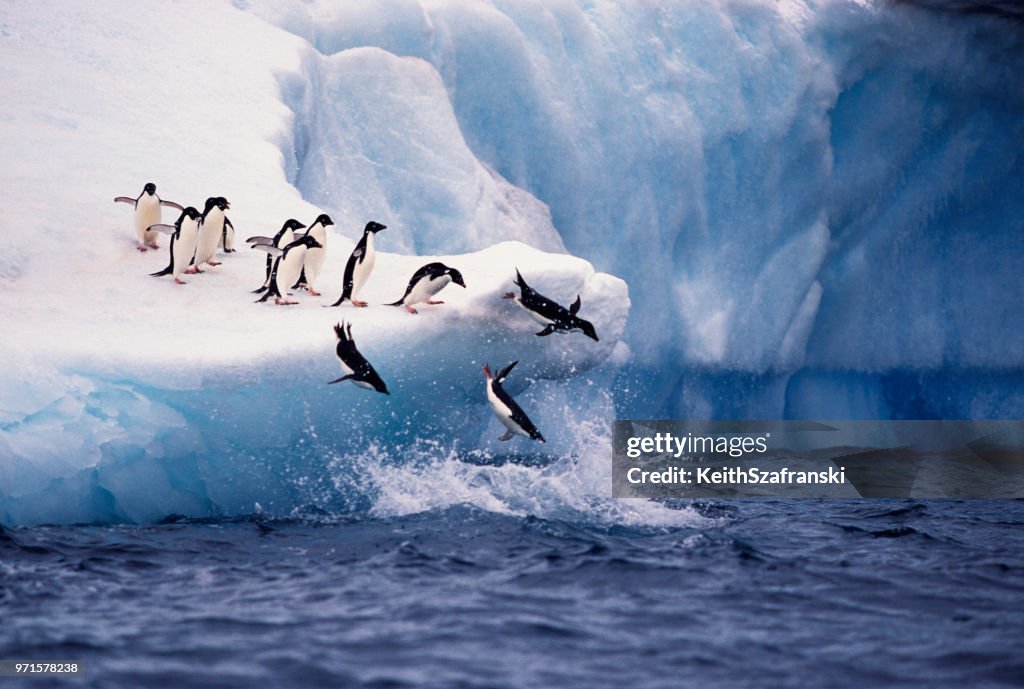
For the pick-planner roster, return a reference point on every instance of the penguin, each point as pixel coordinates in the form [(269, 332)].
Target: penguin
[(227, 238), (284, 237), (211, 228), (425, 283), (359, 265), (314, 257), (147, 212), (355, 367), (554, 318), (506, 409), (184, 233), (287, 264)]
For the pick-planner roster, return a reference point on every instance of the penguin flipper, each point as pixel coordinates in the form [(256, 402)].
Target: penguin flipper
[(548, 329), (503, 374), (124, 199), (171, 204), (259, 239), (338, 380), (269, 248), (575, 306), (162, 227)]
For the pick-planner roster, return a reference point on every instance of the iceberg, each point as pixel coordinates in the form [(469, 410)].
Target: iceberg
[(799, 209)]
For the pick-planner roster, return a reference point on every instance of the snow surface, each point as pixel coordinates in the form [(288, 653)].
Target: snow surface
[(815, 207)]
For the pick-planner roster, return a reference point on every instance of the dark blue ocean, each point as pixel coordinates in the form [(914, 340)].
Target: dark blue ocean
[(748, 594)]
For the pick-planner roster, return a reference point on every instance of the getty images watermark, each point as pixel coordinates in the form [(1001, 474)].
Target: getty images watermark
[(818, 459)]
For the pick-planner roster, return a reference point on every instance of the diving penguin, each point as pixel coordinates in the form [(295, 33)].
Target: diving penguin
[(287, 264), (554, 318), (147, 212), (425, 283), (184, 233), (284, 237), (506, 409), (211, 228), (315, 257), (353, 364), (359, 265)]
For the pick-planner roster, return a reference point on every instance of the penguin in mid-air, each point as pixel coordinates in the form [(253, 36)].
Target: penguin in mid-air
[(147, 213), (284, 237), (211, 227), (425, 283), (359, 265), (184, 233), (353, 364), (506, 409), (314, 257), (554, 318), (286, 268)]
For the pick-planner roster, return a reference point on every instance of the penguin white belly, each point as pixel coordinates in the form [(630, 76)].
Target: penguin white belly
[(289, 268), (536, 316), (185, 245), (427, 288), (209, 233), (314, 264), (363, 269), (503, 413), (147, 212), (315, 257)]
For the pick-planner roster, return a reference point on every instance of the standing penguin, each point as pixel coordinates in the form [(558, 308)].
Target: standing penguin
[(284, 237), (359, 265), (211, 227), (554, 318), (425, 283), (184, 233), (315, 257), (286, 267), (353, 364), (506, 409), (147, 213), (227, 238)]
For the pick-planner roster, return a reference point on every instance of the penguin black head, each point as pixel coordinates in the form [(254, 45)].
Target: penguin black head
[(222, 203), (374, 227), (292, 224), (150, 188), (324, 220), (191, 212), (309, 242), (210, 203), (456, 277)]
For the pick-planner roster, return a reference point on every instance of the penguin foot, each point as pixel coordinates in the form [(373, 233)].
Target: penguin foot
[(284, 302), (141, 247), (434, 302), (510, 295), (213, 263), (180, 281), (193, 270), (360, 304), (410, 309), (154, 245), (313, 292)]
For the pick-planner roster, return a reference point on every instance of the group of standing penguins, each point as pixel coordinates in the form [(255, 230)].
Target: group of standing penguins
[(294, 261)]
